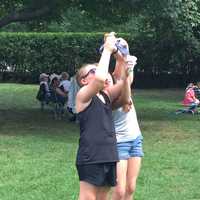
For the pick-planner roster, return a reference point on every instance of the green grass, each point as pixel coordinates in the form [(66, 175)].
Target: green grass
[(37, 153)]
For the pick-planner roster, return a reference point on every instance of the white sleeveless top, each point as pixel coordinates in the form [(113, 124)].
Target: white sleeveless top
[(126, 124)]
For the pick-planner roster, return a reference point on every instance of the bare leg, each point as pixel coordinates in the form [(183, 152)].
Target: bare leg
[(134, 164), (102, 193), (120, 189), (87, 191)]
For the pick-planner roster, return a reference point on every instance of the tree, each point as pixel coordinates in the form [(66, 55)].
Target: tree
[(20, 11), (43, 10), (174, 27)]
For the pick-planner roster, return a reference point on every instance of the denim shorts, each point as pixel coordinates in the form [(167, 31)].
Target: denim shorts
[(130, 149)]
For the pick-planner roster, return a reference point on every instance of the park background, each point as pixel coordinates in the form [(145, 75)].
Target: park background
[(37, 152)]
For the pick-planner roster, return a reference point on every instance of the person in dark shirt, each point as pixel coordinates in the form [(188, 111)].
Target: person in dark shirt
[(97, 153), (43, 94), (58, 94), (197, 90)]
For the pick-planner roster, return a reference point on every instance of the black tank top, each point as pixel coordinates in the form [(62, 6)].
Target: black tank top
[(97, 143)]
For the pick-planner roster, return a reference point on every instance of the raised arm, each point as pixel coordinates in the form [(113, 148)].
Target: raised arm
[(120, 92), (131, 62), (125, 72), (92, 78)]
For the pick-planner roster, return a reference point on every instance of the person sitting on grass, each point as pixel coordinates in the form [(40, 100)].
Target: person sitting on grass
[(197, 90), (189, 100)]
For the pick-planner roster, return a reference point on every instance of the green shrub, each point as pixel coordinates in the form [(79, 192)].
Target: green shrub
[(33, 53)]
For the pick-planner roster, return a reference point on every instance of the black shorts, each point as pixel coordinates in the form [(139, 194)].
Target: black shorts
[(99, 174)]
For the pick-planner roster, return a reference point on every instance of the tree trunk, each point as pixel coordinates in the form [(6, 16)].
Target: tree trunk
[(24, 15)]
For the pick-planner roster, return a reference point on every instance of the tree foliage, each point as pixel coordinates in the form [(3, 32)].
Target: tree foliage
[(170, 41), (18, 10), (166, 33)]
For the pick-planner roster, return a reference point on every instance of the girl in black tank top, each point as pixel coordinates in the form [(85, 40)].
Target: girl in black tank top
[(97, 143)]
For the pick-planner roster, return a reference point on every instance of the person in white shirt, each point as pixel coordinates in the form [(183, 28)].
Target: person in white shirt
[(65, 83), (129, 144), (73, 89)]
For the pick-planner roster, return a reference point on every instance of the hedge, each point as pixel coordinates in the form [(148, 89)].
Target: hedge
[(29, 54)]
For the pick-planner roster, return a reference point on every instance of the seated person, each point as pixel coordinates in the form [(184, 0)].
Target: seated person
[(65, 82), (197, 90), (57, 93), (190, 99), (43, 94), (73, 89)]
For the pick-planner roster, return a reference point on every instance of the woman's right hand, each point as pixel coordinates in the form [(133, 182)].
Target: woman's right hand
[(109, 42)]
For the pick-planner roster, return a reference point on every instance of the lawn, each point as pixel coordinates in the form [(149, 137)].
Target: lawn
[(37, 153)]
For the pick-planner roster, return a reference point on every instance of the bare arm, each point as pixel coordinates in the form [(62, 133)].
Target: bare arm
[(125, 71), (61, 93), (89, 90), (121, 75), (132, 61)]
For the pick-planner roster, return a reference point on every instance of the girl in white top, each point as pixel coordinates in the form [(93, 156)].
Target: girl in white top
[(129, 143)]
